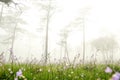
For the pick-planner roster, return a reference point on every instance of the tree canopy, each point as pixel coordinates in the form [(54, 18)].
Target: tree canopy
[(6, 1), (105, 43)]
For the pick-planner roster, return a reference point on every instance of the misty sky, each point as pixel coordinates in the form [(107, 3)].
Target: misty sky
[(102, 16)]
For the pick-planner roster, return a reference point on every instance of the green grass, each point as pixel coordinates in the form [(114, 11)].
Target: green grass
[(57, 72)]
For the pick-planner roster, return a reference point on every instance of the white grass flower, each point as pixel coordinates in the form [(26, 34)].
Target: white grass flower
[(82, 75), (11, 72), (9, 69), (72, 72), (69, 75), (67, 64), (16, 78), (56, 77), (48, 70), (40, 70), (25, 79)]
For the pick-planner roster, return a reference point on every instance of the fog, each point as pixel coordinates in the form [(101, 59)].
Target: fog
[(99, 18)]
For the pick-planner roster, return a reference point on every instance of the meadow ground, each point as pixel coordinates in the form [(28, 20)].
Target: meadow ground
[(63, 71)]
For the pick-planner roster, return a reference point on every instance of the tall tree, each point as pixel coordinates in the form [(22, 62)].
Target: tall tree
[(64, 43), (79, 24), (81, 20), (47, 9), (8, 23), (105, 45)]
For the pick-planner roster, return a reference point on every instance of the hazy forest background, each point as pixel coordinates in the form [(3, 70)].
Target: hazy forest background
[(58, 30)]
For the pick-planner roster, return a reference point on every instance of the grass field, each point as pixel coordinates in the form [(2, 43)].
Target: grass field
[(61, 71)]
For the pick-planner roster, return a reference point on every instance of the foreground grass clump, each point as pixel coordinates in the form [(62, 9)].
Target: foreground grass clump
[(57, 72)]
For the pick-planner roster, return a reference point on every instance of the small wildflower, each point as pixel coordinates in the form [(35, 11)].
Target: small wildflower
[(67, 64), (11, 72), (69, 75), (25, 79), (16, 78), (82, 75), (116, 76), (9, 69), (72, 72), (108, 70), (48, 70), (40, 70), (56, 77), (19, 73)]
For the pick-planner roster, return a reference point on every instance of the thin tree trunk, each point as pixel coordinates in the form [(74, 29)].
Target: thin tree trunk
[(60, 53), (12, 46), (66, 51), (46, 38), (83, 43)]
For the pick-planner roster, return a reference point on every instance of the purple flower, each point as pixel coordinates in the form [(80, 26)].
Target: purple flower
[(19, 73), (116, 76), (108, 70)]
